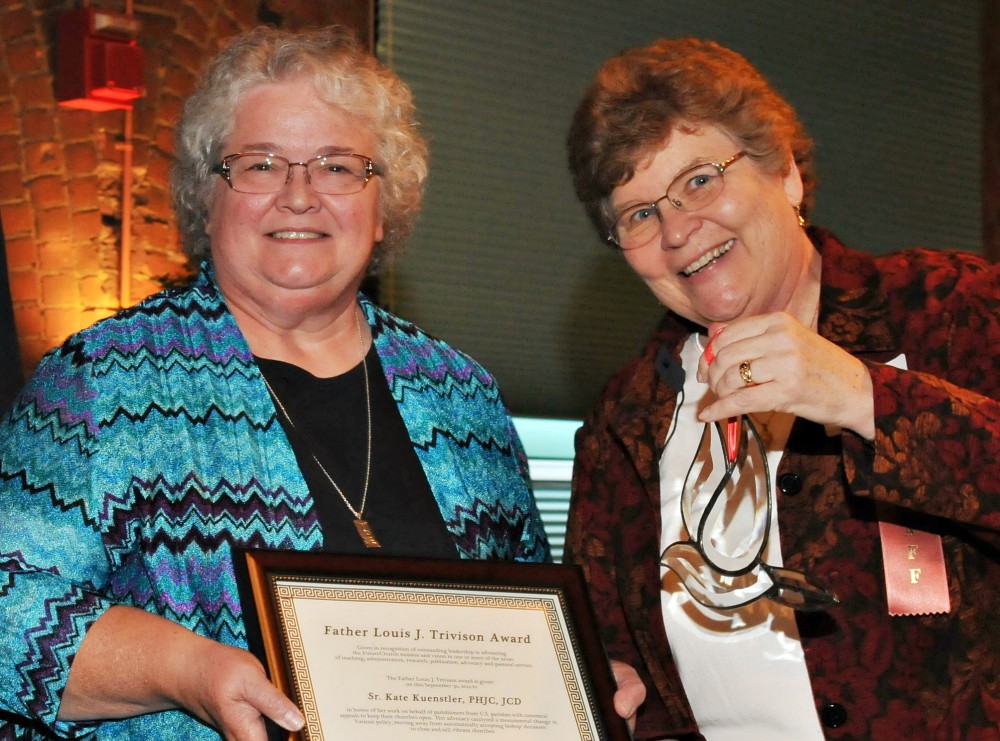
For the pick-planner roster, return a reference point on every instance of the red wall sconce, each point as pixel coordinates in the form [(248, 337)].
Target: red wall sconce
[(98, 60)]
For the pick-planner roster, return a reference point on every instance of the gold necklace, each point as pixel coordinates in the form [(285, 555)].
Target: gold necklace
[(763, 428), (360, 523)]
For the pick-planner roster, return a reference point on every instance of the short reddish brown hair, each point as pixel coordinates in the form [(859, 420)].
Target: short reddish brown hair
[(644, 93)]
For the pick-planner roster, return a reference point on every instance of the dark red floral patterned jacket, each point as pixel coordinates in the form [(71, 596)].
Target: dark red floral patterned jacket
[(934, 465)]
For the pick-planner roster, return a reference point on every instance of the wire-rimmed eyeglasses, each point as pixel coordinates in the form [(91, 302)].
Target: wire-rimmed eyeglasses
[(336, 174), (718, 567), (694, 188)]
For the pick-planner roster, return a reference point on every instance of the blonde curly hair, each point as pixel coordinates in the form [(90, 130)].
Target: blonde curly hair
[(346, 76)]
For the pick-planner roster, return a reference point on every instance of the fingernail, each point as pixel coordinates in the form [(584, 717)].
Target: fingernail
[(294, 721)]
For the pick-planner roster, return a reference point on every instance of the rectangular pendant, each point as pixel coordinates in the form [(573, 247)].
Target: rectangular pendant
[(365, 531)]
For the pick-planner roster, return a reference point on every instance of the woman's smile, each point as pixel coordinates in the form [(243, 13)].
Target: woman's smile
[(709, 258)]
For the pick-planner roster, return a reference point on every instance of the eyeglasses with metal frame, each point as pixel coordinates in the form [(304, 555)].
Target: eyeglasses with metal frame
[(730, 469), (335, 174), (693, 189)]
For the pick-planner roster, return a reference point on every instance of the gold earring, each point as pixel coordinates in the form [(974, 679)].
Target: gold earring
[(799, 216)]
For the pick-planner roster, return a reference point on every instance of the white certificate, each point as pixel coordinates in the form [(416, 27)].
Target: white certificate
[(383, 649)]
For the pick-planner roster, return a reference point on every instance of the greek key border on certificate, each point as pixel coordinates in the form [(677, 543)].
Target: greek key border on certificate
[(564, 645)]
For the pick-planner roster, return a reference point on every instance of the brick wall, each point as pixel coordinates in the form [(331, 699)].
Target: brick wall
[(61, 169)]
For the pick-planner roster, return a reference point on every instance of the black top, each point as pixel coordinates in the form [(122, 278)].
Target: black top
[(329, 421)]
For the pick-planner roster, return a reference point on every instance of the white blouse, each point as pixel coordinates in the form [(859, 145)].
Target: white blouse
[(743, 670)]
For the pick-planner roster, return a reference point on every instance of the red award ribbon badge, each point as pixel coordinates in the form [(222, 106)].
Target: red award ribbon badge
[(915, 578)]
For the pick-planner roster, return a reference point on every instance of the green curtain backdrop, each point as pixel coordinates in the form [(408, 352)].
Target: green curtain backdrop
[(504, 264)]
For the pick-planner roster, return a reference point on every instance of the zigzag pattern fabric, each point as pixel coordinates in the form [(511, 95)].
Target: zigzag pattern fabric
[(146, 447)]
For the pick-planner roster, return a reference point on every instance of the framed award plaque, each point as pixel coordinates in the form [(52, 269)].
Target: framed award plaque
[(383, 648)]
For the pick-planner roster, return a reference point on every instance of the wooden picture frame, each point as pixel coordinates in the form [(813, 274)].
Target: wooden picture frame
[(396, 648)]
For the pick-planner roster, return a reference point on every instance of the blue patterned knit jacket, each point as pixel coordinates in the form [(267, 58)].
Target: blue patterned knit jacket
[(146, 447)]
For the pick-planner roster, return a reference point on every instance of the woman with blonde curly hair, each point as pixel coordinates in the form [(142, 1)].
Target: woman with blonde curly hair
[(267, 405), (341, 76)]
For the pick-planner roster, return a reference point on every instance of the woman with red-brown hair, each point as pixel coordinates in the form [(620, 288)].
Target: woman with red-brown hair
[(787, 505)]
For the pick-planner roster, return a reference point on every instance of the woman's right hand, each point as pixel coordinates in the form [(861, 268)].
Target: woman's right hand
[(794, 370), (227, 688), (133, 662)]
